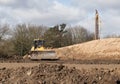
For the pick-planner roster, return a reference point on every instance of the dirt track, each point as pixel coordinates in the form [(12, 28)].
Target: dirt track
[(70, 61), (77, 66)]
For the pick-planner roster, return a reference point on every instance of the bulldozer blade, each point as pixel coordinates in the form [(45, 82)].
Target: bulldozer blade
[(44, 55)]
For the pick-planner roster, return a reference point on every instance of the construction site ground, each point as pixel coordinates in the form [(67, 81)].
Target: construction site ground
[(98, 63), (59, 72)]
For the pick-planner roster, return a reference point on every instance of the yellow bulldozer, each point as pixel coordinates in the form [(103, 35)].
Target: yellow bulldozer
[(39, 52)]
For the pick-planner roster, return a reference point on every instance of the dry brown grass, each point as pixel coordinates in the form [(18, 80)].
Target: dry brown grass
[(96, 49)]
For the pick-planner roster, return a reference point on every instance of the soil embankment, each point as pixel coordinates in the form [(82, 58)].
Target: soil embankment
[(108, 49)]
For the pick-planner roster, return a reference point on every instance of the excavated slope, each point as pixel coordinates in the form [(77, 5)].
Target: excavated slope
[(96, 49)]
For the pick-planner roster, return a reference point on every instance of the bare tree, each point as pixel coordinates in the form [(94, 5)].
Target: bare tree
[(6, 47), (112, 36), (24, 35), (3, 31), (80, 34)]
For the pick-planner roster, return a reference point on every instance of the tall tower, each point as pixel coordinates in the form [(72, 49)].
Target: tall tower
[(97, 25)]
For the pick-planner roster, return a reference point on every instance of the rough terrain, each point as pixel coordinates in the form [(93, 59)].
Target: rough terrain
[(59, 74)]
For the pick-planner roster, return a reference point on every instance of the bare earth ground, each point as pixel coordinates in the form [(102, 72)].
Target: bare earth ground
[(57, 73), (77, 66)]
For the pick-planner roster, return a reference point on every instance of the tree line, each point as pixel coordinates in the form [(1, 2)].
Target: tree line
[(19, 40)]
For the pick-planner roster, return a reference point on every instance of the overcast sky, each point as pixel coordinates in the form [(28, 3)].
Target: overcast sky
[(72, 12)]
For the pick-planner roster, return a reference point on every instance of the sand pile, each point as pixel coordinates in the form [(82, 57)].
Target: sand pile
[(96, 49)]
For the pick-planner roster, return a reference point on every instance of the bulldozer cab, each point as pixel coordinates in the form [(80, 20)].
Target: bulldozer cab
[(38, 43)]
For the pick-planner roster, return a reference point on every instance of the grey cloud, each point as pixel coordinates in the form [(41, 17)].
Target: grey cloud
[(27, 4), (51, 12), (95, 4)]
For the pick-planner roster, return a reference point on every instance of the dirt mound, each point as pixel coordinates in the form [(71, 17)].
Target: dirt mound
[(97, 49), (58, 74)]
